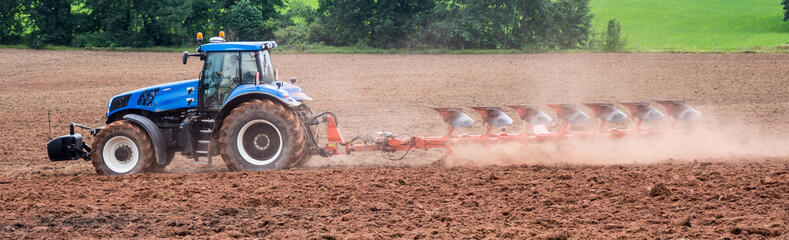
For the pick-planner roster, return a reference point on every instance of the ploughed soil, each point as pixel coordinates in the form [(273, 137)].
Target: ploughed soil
[(729, 180)]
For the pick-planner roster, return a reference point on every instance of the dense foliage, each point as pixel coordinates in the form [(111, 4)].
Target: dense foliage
[(417, 24)]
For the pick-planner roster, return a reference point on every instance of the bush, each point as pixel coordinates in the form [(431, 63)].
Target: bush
[(36, 42), (97, 39), (296, 34), (315, 32), (612, 39)]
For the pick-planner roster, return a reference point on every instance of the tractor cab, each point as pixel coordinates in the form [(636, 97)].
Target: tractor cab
[(223, 71), (234, 68)]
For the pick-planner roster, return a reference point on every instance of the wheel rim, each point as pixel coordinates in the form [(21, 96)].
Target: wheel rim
[(120, 154), (259, 142)]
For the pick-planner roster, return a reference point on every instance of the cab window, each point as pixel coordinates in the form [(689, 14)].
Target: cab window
[(249, 67), (219, 78), (224, 71), (268, 69)]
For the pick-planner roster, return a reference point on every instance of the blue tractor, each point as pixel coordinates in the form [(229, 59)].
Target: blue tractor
[(236, 109)]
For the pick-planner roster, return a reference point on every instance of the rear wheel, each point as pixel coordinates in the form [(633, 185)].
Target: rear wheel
[(122, 148), (261, 135), (315, 135)]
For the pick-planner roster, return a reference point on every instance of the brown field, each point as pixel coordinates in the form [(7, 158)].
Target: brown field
[(726, 176)]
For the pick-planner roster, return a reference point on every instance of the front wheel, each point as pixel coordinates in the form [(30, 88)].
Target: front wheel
[(122, 148), (261, 135)]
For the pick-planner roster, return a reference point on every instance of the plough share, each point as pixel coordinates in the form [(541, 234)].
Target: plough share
[(535, 125)]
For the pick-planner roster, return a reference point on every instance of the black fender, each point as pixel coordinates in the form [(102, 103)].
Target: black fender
[(160, 150), (241, 98)]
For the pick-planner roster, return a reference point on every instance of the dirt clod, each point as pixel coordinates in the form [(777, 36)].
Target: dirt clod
[(685, 222), (768, 180), (659, 189)]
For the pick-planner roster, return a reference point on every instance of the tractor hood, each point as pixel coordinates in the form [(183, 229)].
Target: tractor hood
[(295, 92), (157, 98), (183, 94)]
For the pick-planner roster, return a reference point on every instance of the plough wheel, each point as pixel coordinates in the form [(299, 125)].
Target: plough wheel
[(261, 135)]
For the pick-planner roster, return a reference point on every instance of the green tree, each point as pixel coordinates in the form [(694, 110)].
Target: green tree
[(573, 22), (203, 17), (344, 22), (120, 23), (51, 22), (508, 24), (449, 27), (393, 20), (268, 9), (786, 9), (11, 21), (295, 23), (169, 24), (243, 22), (381, 23), (300, 13), (142, 23), (612, 39)]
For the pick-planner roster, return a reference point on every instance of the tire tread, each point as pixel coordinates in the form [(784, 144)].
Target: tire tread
[(137, 133), (293, 127)]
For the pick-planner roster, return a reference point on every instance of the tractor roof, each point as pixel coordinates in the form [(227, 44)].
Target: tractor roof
[(237, 46)]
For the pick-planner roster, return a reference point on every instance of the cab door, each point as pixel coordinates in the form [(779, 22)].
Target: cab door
[(219, 75), (223, 72)]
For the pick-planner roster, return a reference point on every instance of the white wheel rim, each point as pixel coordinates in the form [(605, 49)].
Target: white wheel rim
[(120, 165), (243, 151)]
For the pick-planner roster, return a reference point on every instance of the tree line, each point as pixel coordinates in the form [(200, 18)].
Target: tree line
[(414, 24)]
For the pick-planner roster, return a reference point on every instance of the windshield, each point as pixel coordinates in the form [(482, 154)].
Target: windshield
[(268, 69)]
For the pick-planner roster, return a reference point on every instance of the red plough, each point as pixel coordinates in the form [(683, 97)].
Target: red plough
[(535, 124)]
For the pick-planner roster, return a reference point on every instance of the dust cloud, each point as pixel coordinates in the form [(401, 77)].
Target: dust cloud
[(708, 140)]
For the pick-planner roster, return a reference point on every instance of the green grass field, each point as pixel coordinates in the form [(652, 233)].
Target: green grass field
[(695, 25)]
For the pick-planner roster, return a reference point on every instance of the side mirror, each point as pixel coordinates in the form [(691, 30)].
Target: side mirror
[(185, 56)]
